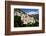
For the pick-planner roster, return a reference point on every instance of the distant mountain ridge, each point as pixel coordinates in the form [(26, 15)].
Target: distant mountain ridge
[(20, 11), (36, 15)]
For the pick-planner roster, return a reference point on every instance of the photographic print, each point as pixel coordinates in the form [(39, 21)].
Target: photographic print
[(26, 17)]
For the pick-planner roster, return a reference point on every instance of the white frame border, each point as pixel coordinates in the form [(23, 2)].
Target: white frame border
[(25, 28)]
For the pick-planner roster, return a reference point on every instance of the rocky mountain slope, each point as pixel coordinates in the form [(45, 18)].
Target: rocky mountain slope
[(26, 19)]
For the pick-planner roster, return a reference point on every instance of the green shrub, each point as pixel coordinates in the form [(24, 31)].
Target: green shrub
[(17, 21)]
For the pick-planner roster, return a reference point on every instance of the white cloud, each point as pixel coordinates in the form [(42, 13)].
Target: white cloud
[(30, 13)]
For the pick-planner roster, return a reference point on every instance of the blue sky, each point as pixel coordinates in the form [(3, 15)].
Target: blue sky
[(31, 11)]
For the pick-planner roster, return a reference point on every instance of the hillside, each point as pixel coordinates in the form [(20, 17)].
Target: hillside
[(22, 19)]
